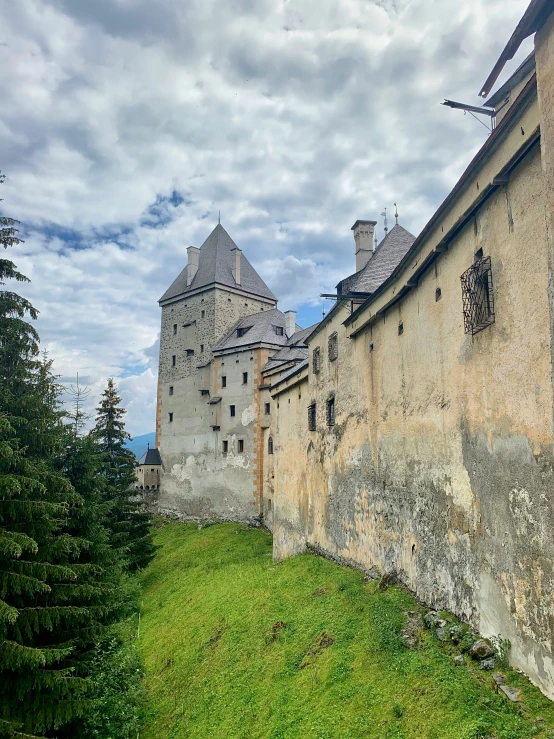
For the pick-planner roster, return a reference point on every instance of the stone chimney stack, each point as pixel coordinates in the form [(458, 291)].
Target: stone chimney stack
[(290, 323), (363, 238), (235, 255), (193, 254)]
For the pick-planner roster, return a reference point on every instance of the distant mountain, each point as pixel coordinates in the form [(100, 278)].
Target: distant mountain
[(139, 444)]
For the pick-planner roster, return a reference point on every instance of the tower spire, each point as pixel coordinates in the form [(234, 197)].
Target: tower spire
[(396, 214), (219, 216)]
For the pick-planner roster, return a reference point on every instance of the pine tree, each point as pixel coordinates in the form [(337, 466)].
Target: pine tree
[(129, 521), (56, 592)]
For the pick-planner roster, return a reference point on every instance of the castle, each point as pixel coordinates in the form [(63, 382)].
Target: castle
[(412, 429)]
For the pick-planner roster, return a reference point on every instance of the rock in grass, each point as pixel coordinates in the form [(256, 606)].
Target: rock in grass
[(487, 664), (442, 634), (511, 694), (481, 649), (498, 678), (459, 659)]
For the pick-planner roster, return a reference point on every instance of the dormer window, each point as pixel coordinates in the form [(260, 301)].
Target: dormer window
[(243, 330), (279, 330)]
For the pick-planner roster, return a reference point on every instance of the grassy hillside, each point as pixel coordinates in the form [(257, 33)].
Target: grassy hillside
[(238, 646)]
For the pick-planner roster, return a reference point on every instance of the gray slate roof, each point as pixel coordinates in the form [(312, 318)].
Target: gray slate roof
[(296, 350), (215, 265), (292, 371), (261, 331), (387, 256), (150, 456)]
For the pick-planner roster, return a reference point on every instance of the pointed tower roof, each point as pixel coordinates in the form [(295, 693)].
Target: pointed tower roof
[(215, 266)]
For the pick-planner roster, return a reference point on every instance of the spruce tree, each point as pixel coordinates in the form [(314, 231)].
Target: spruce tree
[(56, 591), (129, 521)]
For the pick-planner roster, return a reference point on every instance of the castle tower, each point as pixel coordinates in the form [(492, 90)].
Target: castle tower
[(216, 289)]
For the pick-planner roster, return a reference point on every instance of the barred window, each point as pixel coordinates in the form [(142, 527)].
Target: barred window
[(270, 445), (316, 360), (331, 412), (477, 296), (312, 417), (333, 347)]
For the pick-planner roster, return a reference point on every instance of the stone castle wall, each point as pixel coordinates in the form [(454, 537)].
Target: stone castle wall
[(440, 464)]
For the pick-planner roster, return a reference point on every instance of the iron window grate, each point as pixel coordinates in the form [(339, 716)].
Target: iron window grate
[(333, 347), (477, 296), (316, 360)]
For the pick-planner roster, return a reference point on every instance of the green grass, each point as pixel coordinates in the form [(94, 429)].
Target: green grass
[(219, 665)]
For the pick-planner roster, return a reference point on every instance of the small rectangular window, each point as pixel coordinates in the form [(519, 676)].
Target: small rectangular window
[(312, 417), (174, 329), (245, 378), (223, 381), (267, 409), (202, 314), (225, 447), (190, 352), (201, 348), (331, 412), (232, 411), (316, 360), (171, 389), (241, 446), (279, 330), (173, 360), (170, 417), (333, 347)]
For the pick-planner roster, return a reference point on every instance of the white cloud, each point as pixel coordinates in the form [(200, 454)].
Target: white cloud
[(293, 118)]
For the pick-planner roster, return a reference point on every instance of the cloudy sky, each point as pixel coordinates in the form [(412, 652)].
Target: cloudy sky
[(126, 125)]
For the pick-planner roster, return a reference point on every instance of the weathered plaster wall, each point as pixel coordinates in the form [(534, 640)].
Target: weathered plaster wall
[(440, 463), (200, 481)]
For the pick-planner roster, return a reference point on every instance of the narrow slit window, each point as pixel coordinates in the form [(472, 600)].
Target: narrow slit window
[(267, 409), (225, 447), (245, 378), (400, 328), (270, 445), (174, 329), (171, 389), (201, 348), (173, 360), (241, 446), (312, 417), (438, 294), (170, 419), (232, 411), (203, 314), (224, 381), (331, 412)]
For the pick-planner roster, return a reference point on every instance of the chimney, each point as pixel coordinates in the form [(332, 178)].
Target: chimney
[(363, 238), (192, 266), (290, 323), (235, 256)]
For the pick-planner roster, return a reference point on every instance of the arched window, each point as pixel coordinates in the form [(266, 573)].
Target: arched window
[(270, 445), (148, 487)]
